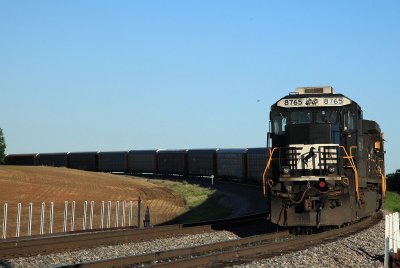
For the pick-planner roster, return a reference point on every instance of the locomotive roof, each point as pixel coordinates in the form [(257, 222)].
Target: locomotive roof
[(315, 90), (314, 97)]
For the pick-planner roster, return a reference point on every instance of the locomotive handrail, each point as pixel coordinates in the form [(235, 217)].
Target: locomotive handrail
[(351, 148), (271, 153), (353, 166), (380, 173), (383, 179)]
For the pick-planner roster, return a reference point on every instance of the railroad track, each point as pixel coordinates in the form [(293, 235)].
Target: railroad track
[(237, 251), (31, 246)]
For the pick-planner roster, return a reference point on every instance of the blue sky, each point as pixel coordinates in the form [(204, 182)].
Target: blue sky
[(120, 75)]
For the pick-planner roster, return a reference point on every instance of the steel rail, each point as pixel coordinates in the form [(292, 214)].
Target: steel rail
[(189, 252), (269, 250), (251, 248), (30, 246)]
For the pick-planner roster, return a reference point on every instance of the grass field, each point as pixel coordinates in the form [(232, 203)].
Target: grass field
[(201, 204), (392, 202)]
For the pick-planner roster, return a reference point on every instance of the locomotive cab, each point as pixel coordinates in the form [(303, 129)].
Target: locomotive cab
[(324, 160)]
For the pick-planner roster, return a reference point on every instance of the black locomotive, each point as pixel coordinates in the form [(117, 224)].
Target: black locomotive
[(326, 163)]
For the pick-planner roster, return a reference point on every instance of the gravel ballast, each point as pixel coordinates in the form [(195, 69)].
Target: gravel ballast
[(100, 253), (365, 249)]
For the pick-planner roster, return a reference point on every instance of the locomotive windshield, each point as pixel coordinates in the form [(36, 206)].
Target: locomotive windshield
[(325, 116), (305, 117), (301, 117)]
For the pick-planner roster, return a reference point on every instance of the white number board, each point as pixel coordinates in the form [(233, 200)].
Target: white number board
[(314, 102)]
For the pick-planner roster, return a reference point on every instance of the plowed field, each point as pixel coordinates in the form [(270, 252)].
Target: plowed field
[(36, 185)]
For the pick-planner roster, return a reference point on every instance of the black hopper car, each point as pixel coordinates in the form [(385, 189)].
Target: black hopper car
[(223, 163), (326, 162)]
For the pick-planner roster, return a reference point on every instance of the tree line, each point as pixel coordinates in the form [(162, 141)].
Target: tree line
[(2, 147), (393, 182)]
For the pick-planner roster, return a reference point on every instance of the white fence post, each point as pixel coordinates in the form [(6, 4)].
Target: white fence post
[(123, 213), (391, 233), (51, 218), (18, 228), (130, 213), (84, 215), (391, 236), (73, 216), (395, 231), (386, 261), (30, 219), (65, 216), (109, 215), (42, 218), (5, 221), (91, 215), (102, 215), (116, 214)]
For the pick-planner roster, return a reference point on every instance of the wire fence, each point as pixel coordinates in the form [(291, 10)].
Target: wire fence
[(47, 218)]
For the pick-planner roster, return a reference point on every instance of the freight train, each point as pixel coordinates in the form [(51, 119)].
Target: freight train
[(323, 165), (245, 164), (326, 162)]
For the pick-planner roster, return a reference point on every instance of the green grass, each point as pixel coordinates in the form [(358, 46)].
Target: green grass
[(392, 202), (201, 204)]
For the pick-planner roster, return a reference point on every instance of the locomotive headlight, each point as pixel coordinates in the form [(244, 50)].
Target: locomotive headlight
[(331, 170), (285, 170)]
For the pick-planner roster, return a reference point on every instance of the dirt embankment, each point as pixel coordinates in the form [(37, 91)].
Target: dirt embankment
[(35, 185)]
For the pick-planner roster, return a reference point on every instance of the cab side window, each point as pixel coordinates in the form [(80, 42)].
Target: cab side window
[(279, 124), (349, 121)]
